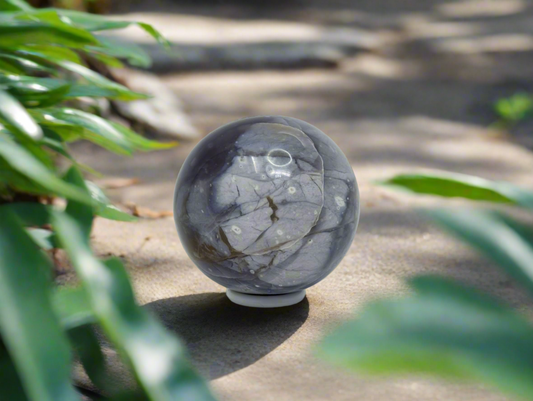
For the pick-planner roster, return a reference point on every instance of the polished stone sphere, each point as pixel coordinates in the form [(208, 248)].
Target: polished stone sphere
[(266, 205)]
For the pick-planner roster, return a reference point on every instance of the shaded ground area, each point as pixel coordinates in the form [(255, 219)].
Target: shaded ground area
[(421, 100)]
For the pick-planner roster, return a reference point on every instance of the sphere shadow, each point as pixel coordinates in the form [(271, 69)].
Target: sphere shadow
[(223, 337)]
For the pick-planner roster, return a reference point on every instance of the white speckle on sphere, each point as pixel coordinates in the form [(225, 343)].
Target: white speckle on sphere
[(340, 202), (292, 190), (236, 230), (279, 232)]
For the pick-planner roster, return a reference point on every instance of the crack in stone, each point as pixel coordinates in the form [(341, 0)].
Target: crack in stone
[(233, 252), (274, 208)]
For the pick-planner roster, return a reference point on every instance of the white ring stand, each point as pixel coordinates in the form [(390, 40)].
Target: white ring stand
[(265, 301)]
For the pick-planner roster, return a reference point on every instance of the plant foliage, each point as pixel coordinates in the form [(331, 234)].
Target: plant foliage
[(446, 329), (45, 58), (515, 108)]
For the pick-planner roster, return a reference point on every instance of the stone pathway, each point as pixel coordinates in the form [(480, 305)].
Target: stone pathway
[(422, 101)]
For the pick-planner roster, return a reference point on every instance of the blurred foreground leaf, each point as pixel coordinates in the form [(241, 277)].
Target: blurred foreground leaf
[(79, 211), (87, 347), (118, 91), (104, 207), (29, 328), (156, 357), (72, 307), (93, 22), (46, 239), (23, 162), (9, 381), (13, 114), (132, 53), (16, 33), (445, 330), (29, 213), (72, 124), (495, 236), (452, 185), (14, 5)]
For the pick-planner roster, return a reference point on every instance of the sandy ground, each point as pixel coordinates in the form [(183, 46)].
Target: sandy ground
[(414, 105)]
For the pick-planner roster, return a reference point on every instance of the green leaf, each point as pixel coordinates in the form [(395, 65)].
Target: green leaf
[(26, 164), (50, 17), (451, 185), (495, 237), (104, 207), (30, 145), (93, 22), (20, 65), (9, 380), (54, 142), (46, 239), (48, 53), (29, 213), (514, 108), (11, 180), (139, 142), (66, 131), (132, 53), (154, 33), (16, 33), (91, 356), (72, 307), (105, 58), (120, 92), (78, 90), (156, 357), (129, 396), (29, 328), (94, 128), (8, 68), (14, 114), (110, 135), (37, 214), (36, 92), (444, 330), (77, 210), (71, 62), (14, 5)]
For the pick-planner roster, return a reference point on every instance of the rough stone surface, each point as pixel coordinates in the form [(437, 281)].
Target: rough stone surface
[(266, 205), (388, 115)]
